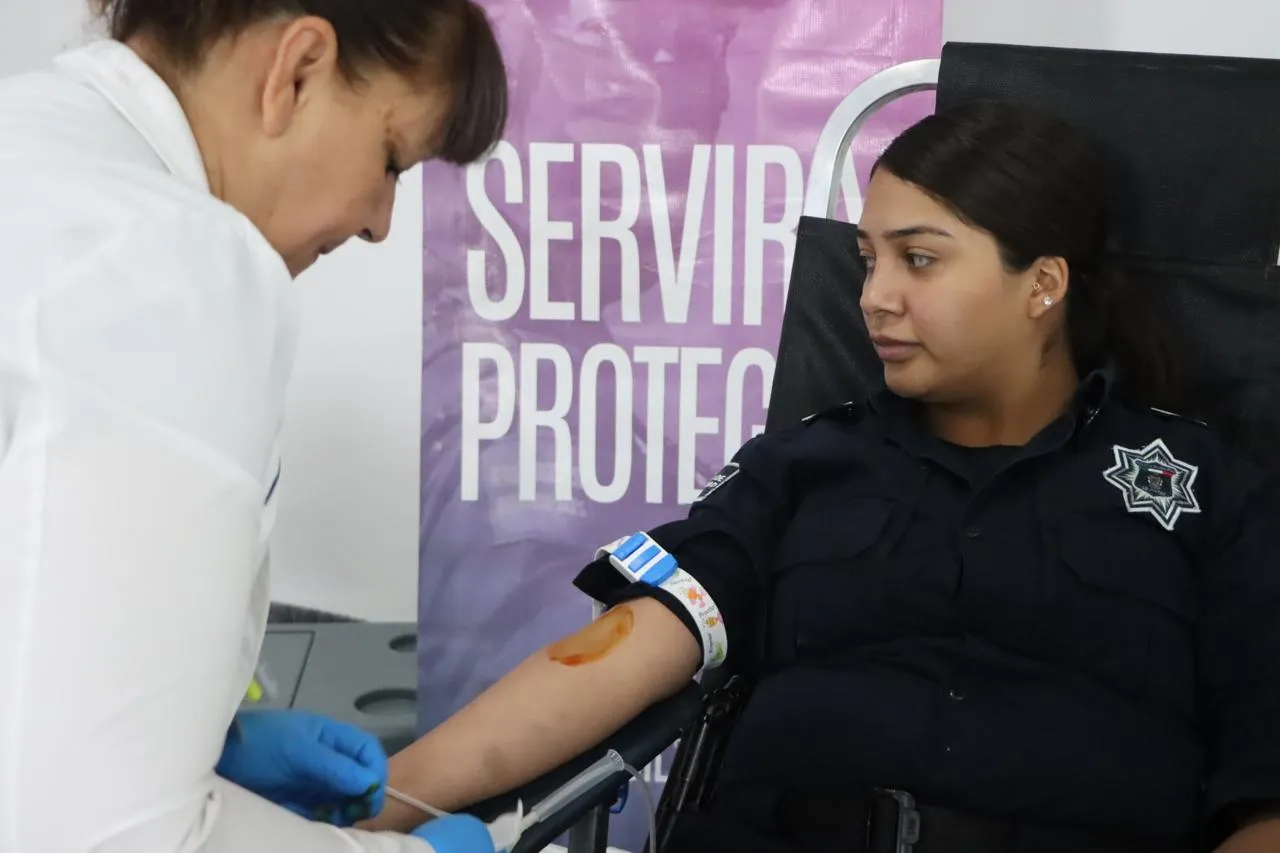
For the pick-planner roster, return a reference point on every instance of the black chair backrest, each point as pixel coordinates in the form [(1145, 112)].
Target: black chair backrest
[(1194, 210)]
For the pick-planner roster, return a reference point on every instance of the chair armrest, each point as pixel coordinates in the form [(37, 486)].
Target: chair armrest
[(639, 742)]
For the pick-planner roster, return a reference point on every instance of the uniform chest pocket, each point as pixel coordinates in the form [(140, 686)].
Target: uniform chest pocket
[(1127, 608), (828, 581)]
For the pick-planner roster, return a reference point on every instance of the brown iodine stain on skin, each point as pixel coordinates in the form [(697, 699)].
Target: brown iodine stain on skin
[(595, 641)]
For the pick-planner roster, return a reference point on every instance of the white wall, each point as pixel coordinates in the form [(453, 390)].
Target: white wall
[(31, 32), (347, 534)]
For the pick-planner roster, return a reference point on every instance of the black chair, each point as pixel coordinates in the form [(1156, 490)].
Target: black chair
[(1194, 195)]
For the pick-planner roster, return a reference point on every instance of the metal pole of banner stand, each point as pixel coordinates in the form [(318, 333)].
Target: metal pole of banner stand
[(884, 87)]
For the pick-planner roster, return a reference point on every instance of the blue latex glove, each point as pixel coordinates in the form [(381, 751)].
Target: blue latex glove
[(311, 765), (460, 833)]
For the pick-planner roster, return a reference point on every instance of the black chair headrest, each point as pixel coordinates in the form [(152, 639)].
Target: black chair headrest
[(1194, 140)]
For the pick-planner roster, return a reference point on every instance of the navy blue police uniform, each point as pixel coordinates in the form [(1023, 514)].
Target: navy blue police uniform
[(1072, 645)]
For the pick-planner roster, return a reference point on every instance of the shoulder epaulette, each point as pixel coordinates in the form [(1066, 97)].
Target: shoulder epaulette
[(850, 412), (1177, 417)]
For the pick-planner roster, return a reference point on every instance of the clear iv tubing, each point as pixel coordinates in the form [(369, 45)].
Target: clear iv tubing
[(611, 763), (417, 804)]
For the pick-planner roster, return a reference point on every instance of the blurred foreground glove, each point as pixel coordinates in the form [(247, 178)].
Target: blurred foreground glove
[(311, 765), (460, 833)]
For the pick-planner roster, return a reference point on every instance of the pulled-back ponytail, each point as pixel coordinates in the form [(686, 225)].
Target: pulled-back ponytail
[(1108, 321)]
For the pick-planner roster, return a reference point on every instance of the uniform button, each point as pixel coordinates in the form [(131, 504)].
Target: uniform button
[(973, 532), (956, 695)]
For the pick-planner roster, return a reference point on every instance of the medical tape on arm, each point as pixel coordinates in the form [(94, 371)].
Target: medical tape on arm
[(640, 559)]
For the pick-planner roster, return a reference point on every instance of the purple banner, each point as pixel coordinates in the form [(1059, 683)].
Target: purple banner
[(603, 297)]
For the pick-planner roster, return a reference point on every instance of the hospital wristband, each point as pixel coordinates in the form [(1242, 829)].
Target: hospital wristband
[(640, 559)]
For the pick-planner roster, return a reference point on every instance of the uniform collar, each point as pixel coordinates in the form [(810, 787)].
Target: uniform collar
[(899, 415), (146, 102)]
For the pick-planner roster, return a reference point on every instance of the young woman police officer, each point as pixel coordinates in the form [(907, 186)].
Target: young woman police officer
[(1002, 584)]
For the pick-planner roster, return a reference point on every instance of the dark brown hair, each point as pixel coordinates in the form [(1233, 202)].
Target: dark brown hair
[(449, 41)]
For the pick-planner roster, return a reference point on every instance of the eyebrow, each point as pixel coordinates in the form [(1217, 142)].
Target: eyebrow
[(909, 231)]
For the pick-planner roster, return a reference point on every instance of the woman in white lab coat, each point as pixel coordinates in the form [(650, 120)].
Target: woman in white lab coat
[(159, 192)]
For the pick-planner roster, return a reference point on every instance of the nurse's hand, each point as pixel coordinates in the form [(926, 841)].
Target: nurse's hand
[(311, 765), (458, 833)]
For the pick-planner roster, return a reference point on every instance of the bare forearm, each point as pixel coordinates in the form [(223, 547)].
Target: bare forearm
[(1261, 837), (552, 707)]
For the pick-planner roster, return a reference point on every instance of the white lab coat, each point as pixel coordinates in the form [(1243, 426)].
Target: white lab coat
[(147, 333)]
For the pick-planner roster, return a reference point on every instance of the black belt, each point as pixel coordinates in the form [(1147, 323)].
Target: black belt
[(884, 821)]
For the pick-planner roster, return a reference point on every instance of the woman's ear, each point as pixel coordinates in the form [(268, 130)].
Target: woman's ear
[(1049, 283), (305, 58)]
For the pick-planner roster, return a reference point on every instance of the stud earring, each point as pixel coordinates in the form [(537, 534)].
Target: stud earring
[(1048, 300)]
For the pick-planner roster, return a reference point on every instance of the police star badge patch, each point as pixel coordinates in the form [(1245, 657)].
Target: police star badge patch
[(1152, 480)]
